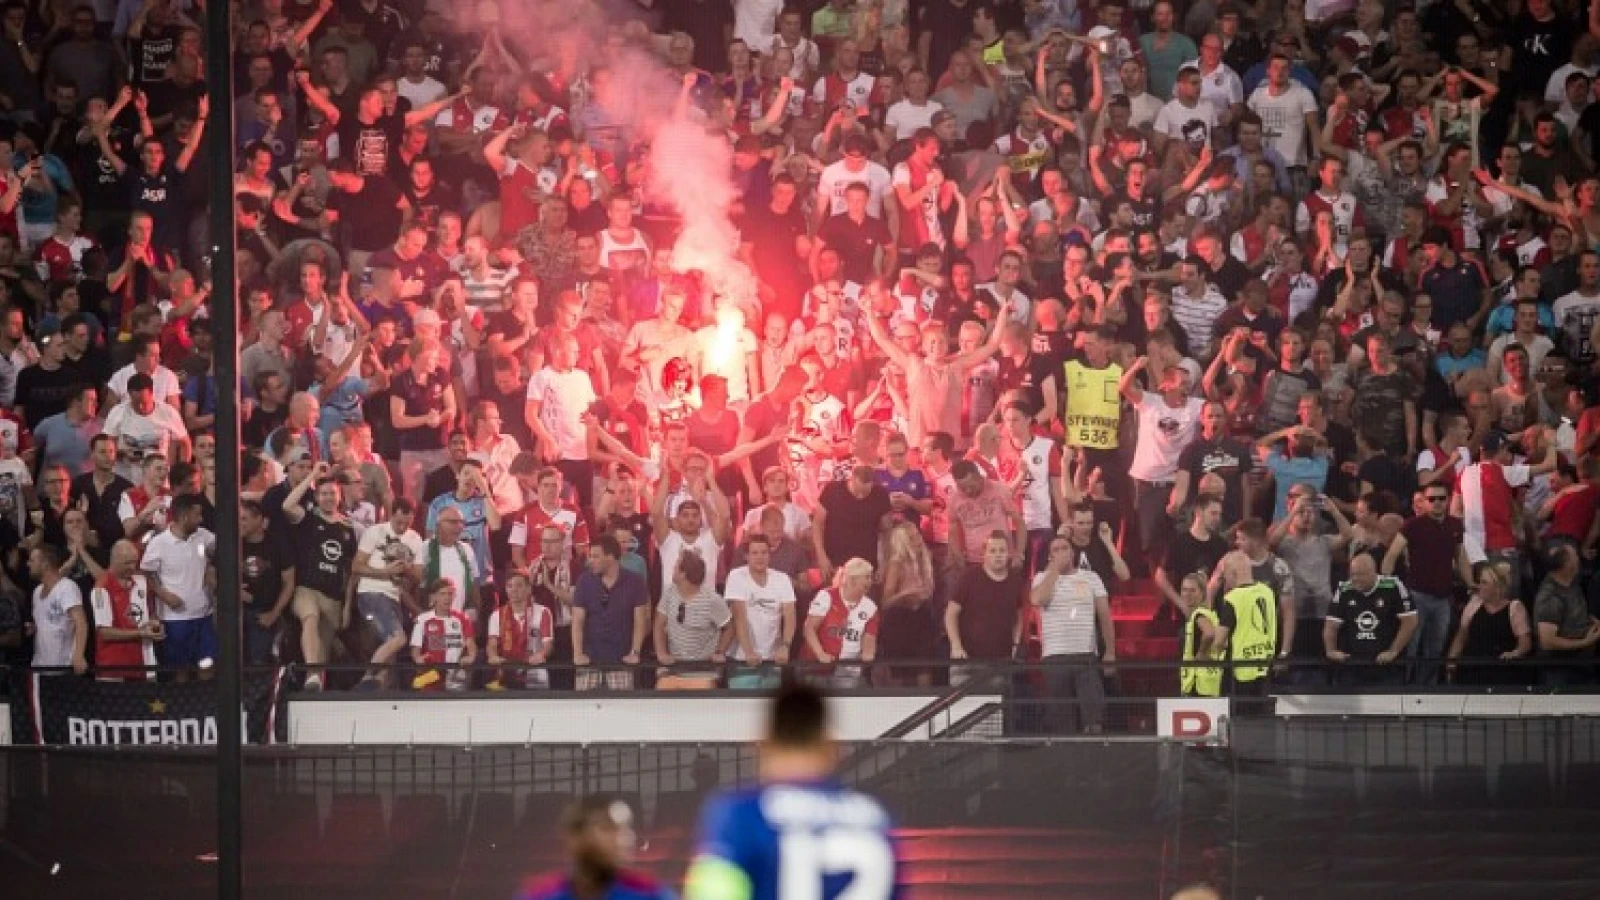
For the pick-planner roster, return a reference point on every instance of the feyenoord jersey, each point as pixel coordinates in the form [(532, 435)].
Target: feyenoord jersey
[(442, 639), (831, 92), (844, 628), (533, 518)]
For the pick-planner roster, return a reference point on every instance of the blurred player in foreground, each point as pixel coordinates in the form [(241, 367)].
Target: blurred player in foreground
[(600, 840), (799, 835)]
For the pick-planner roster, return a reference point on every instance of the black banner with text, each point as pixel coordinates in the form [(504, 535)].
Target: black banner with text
[(65, 710)]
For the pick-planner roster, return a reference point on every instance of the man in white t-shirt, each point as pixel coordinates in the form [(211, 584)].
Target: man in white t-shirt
[(414, 83), (915, 111), (1577, 312), (60, 628), (756, 22), (559, 396), (763, 601), (142, 427), (1143, 106), (1220, 85), (1288, 112), (1185, 118), (1071, 601), (177, 561), (147, 361), (854, 168), (388, 563), (791, 35), (700, 523), (1168, 422)]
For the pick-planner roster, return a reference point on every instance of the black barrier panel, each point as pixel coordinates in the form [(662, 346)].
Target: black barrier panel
[(1292, 808), (980, 820), (1465, 809)]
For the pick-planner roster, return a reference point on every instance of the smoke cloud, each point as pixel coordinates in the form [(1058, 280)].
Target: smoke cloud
[(689, 169)]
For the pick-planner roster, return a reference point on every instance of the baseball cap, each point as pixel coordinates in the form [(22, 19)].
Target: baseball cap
[(1101, 31)]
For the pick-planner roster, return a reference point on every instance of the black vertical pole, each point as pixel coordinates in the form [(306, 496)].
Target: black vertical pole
[(225, 318)]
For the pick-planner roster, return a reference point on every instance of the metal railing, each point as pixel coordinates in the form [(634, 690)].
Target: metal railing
[(1581, 674)]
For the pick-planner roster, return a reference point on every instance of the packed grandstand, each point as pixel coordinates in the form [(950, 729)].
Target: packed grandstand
[(670, 344)]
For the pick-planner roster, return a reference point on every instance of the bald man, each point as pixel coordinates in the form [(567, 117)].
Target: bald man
[(127, 628), (1247, 619)]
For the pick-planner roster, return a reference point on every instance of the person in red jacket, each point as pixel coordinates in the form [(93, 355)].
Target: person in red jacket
[(127, 628)]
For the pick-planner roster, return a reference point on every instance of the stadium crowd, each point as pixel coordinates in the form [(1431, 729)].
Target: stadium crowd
[(1284, 312)]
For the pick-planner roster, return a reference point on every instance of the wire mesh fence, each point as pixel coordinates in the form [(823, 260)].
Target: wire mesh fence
[(1296, 807)]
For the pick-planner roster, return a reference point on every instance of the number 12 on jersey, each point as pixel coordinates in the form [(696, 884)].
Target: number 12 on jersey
[(834, 864)]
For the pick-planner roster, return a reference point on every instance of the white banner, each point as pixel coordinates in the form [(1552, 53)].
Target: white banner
[(591, 719)]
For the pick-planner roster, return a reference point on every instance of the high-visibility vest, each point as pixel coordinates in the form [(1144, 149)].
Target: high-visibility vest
[(1094, 406), (1255, 629), (1198, 681)]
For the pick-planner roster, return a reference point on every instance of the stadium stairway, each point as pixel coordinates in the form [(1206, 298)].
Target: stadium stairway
[(1144, 636)]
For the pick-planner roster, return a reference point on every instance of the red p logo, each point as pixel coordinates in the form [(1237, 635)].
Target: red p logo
[(1191, 723), (1191, 718)]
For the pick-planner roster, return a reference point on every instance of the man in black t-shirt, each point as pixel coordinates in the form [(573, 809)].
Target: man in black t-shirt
[(266, 565), (325, 553), (47, 387), (847, 521), (1540, 41), (1020, 369), (858, 237), (1197, 548), (1215, 451), (1370, 620), (368, 209), (1093, 543), (768, 234), (369, 138), (98, 492)]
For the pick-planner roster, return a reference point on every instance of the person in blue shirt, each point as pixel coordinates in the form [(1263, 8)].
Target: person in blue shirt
[(600, 838), (1303, 458), (799, 833), (479, 516)]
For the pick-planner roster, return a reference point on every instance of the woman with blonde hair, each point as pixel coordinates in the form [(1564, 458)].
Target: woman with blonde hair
[(1493, 626), (908, 584), (842, 625)]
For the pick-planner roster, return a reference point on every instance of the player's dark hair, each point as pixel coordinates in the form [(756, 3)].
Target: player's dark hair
[(799, 717), (587, 810)]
